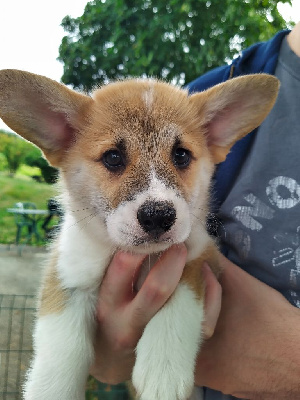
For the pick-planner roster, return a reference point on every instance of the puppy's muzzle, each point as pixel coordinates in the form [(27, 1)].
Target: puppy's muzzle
[(156, 217)]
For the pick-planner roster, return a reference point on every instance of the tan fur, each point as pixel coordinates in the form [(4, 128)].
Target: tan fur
[(53, 297), (120, 113), (147, 117), (192, 274)]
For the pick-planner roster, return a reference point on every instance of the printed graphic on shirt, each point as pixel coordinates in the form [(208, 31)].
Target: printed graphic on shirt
[(256, 231)]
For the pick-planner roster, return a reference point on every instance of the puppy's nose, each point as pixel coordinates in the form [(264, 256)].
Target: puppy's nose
[(156, 217)]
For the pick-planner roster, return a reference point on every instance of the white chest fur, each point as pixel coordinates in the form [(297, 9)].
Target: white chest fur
[(83, 258)]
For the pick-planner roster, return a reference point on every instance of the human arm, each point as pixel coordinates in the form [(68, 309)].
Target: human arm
[(255, 350)]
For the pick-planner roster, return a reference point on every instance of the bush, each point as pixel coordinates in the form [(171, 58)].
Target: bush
[(3, 162), (35, 159), (14, 150)]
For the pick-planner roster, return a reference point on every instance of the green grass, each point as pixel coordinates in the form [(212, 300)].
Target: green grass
[(19, 188)]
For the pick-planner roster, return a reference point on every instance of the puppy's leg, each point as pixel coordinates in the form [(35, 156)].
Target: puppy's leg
[(166, 353), (63, 347)]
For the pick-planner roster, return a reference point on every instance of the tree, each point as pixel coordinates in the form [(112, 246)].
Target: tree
[(173, 39)]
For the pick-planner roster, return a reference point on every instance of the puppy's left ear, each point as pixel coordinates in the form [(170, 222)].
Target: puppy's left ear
[(232, 109)]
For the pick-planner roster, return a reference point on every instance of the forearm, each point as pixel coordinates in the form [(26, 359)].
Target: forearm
[(279, 372), (255, 351)]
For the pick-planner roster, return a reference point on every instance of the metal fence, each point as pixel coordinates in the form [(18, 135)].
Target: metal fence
[(16, 322)]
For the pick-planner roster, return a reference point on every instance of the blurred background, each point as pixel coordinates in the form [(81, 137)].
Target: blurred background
[(86, 44)]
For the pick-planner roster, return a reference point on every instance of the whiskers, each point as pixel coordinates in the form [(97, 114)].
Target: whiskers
[(81, 209), (85, 220)]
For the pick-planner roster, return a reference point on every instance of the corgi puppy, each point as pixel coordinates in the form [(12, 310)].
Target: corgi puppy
[(136, 161)]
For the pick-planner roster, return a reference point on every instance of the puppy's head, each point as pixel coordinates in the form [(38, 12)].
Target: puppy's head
[(139, 153)]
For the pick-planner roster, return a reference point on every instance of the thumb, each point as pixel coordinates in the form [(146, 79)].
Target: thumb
[(213, 298)]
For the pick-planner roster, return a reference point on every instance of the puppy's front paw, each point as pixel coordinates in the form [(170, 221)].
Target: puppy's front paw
[(167, 350), (155, 379)]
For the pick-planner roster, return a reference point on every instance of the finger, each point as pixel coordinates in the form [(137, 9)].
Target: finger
[(118, 281), (213, 299), (159, 285)]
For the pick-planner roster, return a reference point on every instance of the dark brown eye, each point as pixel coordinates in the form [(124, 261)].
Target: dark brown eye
[(181, 157), (113, 160)]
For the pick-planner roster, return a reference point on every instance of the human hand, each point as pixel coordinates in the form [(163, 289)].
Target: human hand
[(254, 352), (123, 314)]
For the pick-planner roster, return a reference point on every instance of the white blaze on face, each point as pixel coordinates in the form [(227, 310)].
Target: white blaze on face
[(148, 96), (126, 232)]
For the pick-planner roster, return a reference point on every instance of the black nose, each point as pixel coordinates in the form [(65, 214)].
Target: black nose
[(156, 217)]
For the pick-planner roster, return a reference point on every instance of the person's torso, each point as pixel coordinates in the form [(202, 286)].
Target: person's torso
[(261, 214)]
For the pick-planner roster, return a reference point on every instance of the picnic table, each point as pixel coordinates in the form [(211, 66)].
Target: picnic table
[(27, 216)]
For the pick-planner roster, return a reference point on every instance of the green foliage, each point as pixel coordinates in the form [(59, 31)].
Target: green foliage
[(26, 170), (3, 162), (173, 39), (35, 159), (14, 150), (13, 190)]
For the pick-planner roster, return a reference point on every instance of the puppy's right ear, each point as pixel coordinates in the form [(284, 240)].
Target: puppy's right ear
[(232, 109), (43, 111)]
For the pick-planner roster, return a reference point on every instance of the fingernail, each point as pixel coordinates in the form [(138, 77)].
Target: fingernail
[(207, 331)]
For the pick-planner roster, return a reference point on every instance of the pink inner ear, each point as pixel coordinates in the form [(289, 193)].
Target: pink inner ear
[(53, 128), (58, 132), (219, 127), (228, 123)]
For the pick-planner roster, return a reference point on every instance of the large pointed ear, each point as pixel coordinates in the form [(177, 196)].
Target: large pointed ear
[(41, 110), (232, 109)]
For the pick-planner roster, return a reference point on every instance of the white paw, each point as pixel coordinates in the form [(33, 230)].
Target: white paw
[(163, 381), (167, 350)]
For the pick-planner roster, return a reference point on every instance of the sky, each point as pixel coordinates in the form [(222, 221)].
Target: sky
[(30, 33)]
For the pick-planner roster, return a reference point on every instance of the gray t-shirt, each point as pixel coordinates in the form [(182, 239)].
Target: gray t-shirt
[(261, 215)]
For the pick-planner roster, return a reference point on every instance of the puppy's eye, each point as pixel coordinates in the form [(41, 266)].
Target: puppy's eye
[(181, 157), (113, 160)]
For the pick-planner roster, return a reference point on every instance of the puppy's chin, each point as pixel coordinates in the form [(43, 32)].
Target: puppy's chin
[(149, 248)]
